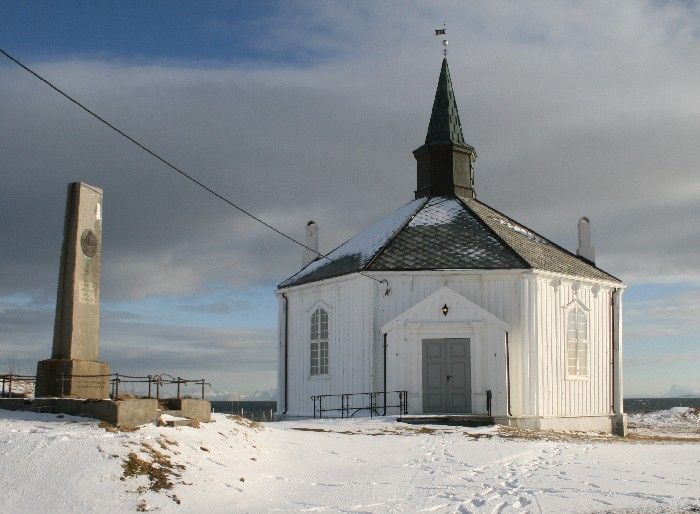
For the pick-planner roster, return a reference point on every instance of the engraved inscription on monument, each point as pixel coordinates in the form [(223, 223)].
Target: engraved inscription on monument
[(88, 243), (89, 386), (88, 292)]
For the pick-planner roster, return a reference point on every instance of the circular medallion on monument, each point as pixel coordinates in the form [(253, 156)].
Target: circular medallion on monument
[(88, 243)]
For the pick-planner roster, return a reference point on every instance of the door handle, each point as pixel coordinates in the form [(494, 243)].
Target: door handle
[(449, 376)]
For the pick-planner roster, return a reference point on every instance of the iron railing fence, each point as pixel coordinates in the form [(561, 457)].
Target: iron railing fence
[(117, 381), (352, 403), (156, 381), (9, 378)]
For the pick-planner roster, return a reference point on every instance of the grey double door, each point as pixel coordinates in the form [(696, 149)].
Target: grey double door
[(446, 376)]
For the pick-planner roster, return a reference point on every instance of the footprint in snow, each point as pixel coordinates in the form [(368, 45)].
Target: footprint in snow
[(501, 507), (521, 502), (478, 502)]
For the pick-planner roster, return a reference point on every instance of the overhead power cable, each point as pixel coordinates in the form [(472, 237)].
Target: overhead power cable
[(184, 173), (149, 151), (170, 165)]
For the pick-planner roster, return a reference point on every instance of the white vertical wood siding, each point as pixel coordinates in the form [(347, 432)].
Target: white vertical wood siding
[(358, 309), (531, 303), (559, 395), (349, 305)]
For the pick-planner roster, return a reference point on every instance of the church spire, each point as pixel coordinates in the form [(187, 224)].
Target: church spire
[(444, 126), (445, 161)]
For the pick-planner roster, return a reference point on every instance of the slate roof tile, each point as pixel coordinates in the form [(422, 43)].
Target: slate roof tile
[(538, 251), (446, 233)]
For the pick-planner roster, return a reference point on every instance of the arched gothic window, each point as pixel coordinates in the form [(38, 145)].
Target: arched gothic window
[(319, 342), (577, 342)]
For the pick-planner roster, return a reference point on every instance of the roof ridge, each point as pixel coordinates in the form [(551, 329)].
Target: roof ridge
[(493, 232), (546, 239), (393, 236)]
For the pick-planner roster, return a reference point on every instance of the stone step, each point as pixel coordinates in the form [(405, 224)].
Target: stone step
[(459, 420), (179, 421)]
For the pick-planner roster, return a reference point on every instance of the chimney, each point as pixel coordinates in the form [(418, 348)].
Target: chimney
[(311, 253), (585, 249)]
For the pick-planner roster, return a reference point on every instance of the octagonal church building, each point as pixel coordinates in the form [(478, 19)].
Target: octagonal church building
[(448, 307)]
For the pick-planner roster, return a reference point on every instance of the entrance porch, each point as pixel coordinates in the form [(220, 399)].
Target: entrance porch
[(449, 355)]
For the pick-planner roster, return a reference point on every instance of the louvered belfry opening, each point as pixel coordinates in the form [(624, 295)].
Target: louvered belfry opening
[(445, 161)]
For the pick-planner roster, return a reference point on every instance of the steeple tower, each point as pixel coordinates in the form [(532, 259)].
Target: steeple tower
[(445, 161)]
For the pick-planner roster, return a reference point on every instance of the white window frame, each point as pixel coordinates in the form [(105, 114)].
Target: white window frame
[(319, 346), (577, 340)]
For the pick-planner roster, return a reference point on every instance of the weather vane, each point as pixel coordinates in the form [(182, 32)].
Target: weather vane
[(443, 32)]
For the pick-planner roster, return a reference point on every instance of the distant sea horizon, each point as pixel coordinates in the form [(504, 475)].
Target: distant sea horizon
[(262, 409)]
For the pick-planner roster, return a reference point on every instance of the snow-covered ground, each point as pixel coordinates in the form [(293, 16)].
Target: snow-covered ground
[(52, 464), (678, 422), (23, 388)]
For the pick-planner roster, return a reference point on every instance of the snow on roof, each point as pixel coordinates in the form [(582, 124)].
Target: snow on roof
[(446, 232), (356, 252), (437, 211), (521, 230)]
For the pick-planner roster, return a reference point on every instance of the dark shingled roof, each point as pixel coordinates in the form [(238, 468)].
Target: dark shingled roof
[(538, 251), (446, 233)]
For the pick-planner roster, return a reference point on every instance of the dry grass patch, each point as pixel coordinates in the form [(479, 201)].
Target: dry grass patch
[(117, 428), (660, 438), (507, 432), (394, 430), (245, 422), (159, 470), (166, 443), (584, 437)]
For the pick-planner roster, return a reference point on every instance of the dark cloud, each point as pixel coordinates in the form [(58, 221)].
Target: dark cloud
[(574, 110), (227, 356)]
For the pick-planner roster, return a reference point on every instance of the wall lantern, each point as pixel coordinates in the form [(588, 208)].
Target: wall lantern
[(445, 310)]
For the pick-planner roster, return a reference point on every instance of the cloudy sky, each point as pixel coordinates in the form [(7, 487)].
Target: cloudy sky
[(311, 110)]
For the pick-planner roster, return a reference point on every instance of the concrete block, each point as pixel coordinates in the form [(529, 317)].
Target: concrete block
[(129, 412), (192, 408), (94, 386)]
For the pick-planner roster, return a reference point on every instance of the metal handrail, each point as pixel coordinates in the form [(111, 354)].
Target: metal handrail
[(115, 380), (348, 408), (8, 378)]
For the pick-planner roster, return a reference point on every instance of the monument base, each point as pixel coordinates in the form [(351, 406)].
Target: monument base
[(126, 413), (72, 378)]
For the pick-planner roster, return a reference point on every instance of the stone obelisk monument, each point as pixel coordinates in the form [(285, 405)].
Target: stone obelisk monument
[(73, 369)]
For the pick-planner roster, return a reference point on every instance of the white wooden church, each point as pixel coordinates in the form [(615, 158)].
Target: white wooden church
[(456, 304)]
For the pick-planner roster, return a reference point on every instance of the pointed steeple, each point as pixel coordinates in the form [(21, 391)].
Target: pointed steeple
[(445, 161), (444, 126)]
